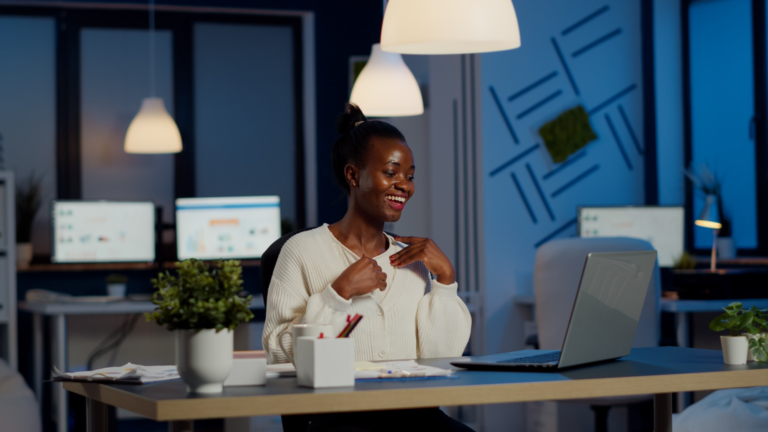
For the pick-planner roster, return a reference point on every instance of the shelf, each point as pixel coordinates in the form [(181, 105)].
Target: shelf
[(112, 266)]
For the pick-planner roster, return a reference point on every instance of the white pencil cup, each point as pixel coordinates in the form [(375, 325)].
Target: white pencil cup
[(327, 362)]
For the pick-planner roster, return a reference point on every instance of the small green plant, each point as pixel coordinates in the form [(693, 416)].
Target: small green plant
[(116, 278), (759, 348), (737, 320), (28, 200), (200, 297), (685, 262)]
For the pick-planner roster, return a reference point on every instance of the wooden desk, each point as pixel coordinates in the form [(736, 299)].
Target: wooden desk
[(659, 371), (59, 311)]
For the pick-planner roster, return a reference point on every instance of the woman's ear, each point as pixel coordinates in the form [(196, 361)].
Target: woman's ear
[(352, 174)]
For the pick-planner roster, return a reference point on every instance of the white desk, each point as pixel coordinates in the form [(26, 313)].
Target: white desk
[(58, 312)]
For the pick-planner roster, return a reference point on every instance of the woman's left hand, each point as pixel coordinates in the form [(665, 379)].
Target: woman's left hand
[(425, 250)]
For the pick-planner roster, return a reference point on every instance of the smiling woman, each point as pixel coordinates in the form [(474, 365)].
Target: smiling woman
[(353, 267)]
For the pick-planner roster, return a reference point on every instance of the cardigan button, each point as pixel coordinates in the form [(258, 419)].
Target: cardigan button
[(379, 312), (381, 354)]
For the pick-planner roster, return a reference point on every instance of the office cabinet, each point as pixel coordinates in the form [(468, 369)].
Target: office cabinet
[(8, 269)]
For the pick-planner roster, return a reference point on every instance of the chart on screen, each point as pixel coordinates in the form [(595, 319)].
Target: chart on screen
[(103, 231), (232, 227)]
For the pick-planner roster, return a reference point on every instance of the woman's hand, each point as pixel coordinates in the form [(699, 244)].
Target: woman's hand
[(425, 250), (360, 278)]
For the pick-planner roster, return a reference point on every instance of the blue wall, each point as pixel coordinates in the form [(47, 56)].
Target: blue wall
[(597, 64)]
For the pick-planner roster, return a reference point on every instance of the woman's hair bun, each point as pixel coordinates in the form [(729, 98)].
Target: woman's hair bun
[(347, 120)]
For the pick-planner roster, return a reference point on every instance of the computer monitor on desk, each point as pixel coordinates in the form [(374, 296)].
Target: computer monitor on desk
[(662, 226), (103, 231), (233, 227)]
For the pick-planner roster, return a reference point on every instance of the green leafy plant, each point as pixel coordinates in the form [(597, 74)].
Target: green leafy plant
[(28, 200), (116, 278), (759, 348), (201, 297), (737, 320), (685, 262)]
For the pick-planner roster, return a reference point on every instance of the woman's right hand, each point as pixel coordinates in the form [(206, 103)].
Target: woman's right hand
[(360, 278)]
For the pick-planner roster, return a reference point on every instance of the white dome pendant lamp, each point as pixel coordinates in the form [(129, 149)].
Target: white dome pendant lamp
[(386, 87), (449, 26), (153, 130)]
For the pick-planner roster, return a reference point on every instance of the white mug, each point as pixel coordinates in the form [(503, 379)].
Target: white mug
[(300, 330)]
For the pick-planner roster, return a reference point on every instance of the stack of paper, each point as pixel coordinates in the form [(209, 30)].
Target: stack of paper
[(126, 374)]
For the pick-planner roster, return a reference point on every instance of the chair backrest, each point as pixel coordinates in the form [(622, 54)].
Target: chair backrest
[(269, 260), (556, 277)]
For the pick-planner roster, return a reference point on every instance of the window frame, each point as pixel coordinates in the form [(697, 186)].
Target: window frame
[(760, 73), (180, 21)]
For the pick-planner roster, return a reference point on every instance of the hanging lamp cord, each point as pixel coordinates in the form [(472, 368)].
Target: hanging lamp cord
[(152, 48)]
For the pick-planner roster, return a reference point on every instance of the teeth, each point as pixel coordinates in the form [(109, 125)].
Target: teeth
[(395, 198)]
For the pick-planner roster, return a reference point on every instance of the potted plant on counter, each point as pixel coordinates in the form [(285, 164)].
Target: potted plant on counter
[(116, 285), (202, 306), (739, 322), (28, 200)]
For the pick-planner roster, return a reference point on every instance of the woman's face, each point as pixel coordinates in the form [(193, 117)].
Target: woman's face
[(385, 179)]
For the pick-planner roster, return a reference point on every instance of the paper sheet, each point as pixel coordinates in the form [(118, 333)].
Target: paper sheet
[(370, 370), (126, 373)]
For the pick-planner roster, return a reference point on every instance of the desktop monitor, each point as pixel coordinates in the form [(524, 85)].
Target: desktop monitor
[(235, 227), (662, 226), (103, 231)]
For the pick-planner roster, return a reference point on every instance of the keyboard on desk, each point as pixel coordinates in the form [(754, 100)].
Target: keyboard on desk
[(540, 358)]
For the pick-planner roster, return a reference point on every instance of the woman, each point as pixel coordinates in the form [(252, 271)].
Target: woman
[(352, 266)]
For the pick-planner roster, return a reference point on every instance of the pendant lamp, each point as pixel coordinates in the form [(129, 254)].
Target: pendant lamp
[(386, 87), (449, 26), (153, 130)]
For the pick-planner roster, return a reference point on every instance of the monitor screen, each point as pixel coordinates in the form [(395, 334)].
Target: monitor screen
[(103, 231), (663, 227), (236, 227)]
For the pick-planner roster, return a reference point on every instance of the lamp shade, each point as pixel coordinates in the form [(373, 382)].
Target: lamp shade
[(386, 87), (449, 26), (710, 216), (152, 130)]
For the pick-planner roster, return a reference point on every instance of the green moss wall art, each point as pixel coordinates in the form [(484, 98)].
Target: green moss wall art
[(567, 134)]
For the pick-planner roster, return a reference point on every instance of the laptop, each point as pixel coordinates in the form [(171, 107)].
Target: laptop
[(603, 319)]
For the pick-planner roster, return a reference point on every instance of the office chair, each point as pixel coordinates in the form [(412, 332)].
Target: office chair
[(291, 423), (557, 272)]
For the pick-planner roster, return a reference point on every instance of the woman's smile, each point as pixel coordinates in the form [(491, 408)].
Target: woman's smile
[(397, 201)]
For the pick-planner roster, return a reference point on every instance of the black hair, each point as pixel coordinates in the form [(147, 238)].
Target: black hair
[(355, 133)]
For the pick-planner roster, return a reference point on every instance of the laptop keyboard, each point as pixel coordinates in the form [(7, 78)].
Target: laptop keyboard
[(540, 358)]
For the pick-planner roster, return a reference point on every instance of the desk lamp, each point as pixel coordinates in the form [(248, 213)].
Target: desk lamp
[(710, 218)]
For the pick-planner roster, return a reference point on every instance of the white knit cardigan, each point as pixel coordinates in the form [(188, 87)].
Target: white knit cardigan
[(414, 317)]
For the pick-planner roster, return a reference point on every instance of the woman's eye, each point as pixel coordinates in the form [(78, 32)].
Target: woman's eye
[(389, 174), (411, 178)]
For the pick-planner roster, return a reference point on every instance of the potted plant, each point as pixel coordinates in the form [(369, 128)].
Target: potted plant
[(709, 184), (202, 306), (28, 201), (758, 342), (116, 285), (736, 320)]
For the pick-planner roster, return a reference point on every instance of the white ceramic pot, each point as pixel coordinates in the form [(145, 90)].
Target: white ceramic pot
[(735, 349), (23, 255), (726, 248), (116, 289), (204, 358)]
